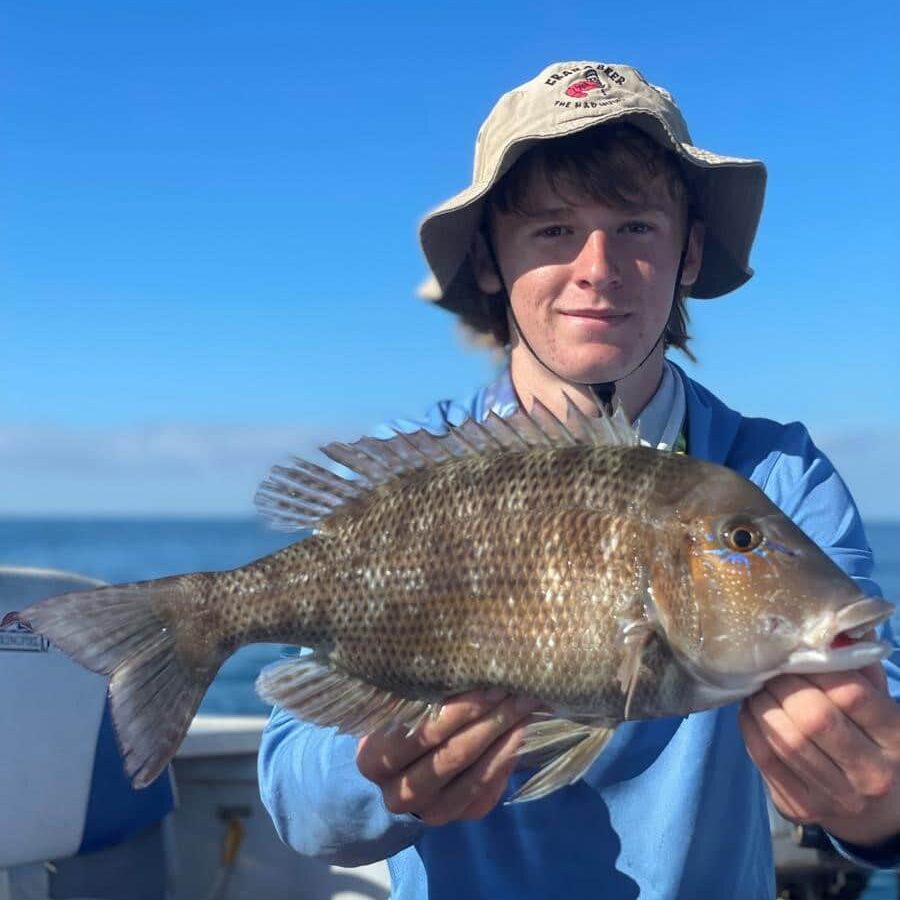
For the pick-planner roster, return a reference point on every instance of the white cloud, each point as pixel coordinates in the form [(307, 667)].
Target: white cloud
[(215, 470), (165, 469)]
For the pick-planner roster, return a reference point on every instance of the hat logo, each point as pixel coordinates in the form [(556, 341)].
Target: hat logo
[(590, 82)]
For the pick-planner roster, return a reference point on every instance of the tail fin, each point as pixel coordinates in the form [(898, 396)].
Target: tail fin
[(131, 633)]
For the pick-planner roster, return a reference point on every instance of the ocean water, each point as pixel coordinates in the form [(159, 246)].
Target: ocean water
[(131, 550)]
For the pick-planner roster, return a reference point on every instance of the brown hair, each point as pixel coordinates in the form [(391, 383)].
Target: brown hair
[(613, 164)]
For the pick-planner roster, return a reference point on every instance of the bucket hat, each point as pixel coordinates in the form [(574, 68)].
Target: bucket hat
[(570, 97)]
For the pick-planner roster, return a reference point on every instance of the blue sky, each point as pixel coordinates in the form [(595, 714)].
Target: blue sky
[(210, 209)]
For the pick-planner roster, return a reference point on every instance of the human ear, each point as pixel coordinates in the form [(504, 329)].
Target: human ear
[(693, 257), (486, 275)]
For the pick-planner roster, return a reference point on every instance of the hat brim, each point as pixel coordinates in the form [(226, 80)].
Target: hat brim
[(730, 192)]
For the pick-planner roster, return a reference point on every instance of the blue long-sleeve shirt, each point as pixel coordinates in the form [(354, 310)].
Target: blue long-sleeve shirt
[(673, 808)]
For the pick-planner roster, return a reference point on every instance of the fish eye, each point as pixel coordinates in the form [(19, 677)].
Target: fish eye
[(742, 538)]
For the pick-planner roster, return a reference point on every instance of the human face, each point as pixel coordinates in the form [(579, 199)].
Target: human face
[(591, 285)]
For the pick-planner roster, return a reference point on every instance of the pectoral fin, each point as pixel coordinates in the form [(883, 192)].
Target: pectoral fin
[(635, 637), (565, 751)]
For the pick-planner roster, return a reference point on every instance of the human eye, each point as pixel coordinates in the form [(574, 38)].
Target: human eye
[(553, 231), (638, 228)]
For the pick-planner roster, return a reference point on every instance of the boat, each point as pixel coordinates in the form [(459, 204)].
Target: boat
[(204, 834)]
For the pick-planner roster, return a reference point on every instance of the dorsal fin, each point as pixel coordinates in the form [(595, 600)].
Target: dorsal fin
[(299, 495)]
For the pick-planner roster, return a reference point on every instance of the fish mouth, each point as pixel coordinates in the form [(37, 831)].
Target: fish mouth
[(843, 639)]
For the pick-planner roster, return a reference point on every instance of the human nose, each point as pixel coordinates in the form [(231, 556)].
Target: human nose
[(595, 266)]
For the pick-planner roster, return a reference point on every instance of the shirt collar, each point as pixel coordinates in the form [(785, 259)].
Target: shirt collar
[(660, 422)]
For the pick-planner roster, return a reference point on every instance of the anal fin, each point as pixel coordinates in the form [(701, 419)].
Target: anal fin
[(566, 751), (313, 690)]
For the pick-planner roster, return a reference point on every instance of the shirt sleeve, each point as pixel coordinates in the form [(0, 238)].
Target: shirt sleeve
[(808, 488), (319, 802)]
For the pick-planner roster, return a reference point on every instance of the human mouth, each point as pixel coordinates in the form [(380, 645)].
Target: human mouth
[(606, 317)]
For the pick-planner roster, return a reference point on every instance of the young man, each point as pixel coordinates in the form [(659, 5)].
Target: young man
[(590, 218)]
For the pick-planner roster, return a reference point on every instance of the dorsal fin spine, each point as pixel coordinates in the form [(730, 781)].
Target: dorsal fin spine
[(417, 451), (300, 495)]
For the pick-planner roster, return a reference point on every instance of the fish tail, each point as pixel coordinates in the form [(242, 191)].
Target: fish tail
[(140, 635)]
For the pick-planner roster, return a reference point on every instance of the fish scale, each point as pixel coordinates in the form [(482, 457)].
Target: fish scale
[(556, 560), (472, 594)]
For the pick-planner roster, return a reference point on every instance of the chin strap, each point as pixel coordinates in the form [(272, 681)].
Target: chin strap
[(604, 391)]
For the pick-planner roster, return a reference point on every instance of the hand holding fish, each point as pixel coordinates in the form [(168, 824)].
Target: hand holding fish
[(454, 767), (828, 746)]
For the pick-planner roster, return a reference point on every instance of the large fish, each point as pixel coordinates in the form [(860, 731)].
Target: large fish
[(564, 562)]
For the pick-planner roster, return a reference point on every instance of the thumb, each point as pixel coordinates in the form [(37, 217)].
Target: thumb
[(875, 673)]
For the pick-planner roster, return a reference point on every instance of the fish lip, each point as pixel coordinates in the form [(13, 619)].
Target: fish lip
[(814, 660), (858, 618), (854, 620)]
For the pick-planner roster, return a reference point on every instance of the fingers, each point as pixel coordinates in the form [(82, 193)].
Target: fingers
[(420, 787), (385, 753), (826, 709), (863, 697), (789, 794), (816, 719), (478, 789), (787, 756), (828, 745), (876, 676), (452, 768)]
